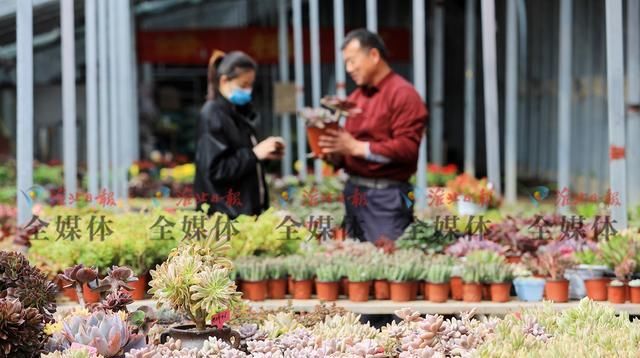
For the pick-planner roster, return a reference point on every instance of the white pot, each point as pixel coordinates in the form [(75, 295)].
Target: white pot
[(466, 208)]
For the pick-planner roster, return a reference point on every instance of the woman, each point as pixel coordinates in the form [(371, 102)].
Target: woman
[(229, 172)]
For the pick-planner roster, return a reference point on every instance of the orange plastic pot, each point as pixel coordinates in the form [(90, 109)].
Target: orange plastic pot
[(514, 259), (277, 289), (314, 133), (139, 288), (438, 292), (359, 291), (400, 291), (472, 292), (381, 289), (255, 290), (302, 289), (634, 294), (90, 296), (500, 292), (557, 291), (617, 294), (456, 288), (596, 288), (327, 291)]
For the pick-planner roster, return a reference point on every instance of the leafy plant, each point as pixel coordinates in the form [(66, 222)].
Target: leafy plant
[(252, 269), (587, 257), (498, 273), (619, 253), (195, 281), (330, 272), (76, 277), (554, 259), (277, 268), (358, 272), (400, 272), (301, 268), (439, 273), (425, 237), (468, 244)]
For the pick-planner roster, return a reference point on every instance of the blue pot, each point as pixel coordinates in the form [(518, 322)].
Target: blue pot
[(529, 289)]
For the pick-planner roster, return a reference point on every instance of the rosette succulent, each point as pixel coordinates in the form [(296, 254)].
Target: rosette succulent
[(77, 276), (21, 329)]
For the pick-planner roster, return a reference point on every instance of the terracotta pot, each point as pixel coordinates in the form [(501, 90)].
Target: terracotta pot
[(327, 291), (400, 291), (472, 292), (486, 292), (414, 290), (344, 286), (381, 289), (514, 259), (438, 292), (314, 134), (277, 289), (557, 291), (302, 289), (70, 293), (500, 292), (456, 288), (359, 291), (255, 290), (139, 288), (617, 294), (339, 234), (90, 296), (634, 294), (596, 288)]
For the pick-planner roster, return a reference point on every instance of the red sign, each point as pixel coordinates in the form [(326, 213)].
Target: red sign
[(220, 319), (194, 47)]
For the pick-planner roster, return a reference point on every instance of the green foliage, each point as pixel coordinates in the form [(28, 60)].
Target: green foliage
[(329, 272), (425, 237), (45, 174), (252, 269), (300, 267), (587, 257), (498, 273), (276, 268), (358, 272)]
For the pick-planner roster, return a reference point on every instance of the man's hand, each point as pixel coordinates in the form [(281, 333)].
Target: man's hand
[(343, 143), (271, 148)]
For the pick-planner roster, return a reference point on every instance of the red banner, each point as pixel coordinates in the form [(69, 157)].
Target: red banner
[(193, 47)]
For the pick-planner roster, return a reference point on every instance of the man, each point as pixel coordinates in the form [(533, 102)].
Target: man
[(378, 147)]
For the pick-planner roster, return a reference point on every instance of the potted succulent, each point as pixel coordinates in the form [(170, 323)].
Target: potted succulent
[(471, 282), (254, 275), (617, 292), (78, 277), (328, 281), (399, 276), (277, 280), (500, 275), (318, 121), (301, 269), (634, 291), (456, 282), (528, 288), (195, 280), (553, 259), (473, 196), (359, 282), (438, 277), (589, 270), (380, 282)]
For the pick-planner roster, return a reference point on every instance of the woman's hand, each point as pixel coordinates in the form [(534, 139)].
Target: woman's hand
[(271, 148)]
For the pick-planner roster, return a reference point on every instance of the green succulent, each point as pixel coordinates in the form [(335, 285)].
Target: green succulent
[(301, 268), (498, 273), (439, 273), (357, 272), (252, 269), (276, 268), (400, 272), (330, 272)]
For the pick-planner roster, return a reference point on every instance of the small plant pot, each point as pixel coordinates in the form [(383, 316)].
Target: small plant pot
[(359, 291), (381, 289), (438, 292), (557, 290), (140, 288), (314, 134), (400, 291), (90, 296), (472, 292), (617, 294), (500, 292), (277, 289), (414, 290), (514, 259), (302, 289), (596, 288), (327, 291), (70, 293), (529, 289), (634, 294), (456, 288), (255, 290)]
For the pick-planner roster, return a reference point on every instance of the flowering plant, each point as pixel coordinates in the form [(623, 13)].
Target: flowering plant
[(479, 191)]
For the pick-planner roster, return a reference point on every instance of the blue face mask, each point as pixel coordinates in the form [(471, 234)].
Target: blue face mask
[(240, 96)]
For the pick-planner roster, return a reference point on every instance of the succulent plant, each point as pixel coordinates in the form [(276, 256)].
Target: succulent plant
[(117, 301), (21, 329), (498, 272), (276, 268), (77, 276), (329, 272), (72, 353), (252, 269), (108, 333), (170, 349), (358, 272), (634, 283), (116, 279), (439, 273), (469, 244), (300, 267), (318, 117), (278, 324)]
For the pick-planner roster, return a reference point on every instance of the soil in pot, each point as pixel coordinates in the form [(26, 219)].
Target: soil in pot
[(359, 291), (400, 291), (314, 134), (277, 289), (438, 292), (192, 338), (557, 291), (634, 294), (617, 294), (381, 289), (140, 288), (472, 292), (500, 292), (596, 288), (302, 289), (456, 288), (255, 290), (90, 296), (327, 291)]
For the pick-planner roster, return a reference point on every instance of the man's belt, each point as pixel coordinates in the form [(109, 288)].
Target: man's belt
[(375, 183)]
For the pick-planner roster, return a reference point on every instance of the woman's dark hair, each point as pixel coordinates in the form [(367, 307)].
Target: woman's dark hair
[(231, 65), (367, 40)]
